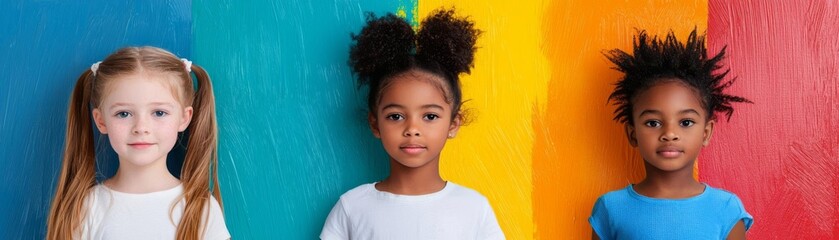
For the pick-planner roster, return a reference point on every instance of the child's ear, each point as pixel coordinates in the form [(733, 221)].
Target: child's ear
[(630, 134), (708, 132), (455, 125), (100, 121), (186, 119), (374, 126)]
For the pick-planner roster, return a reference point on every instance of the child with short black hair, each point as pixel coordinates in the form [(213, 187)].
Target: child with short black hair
[(667, 100)]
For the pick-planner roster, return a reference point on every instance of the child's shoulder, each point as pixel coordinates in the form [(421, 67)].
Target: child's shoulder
[(361, 191), (457, 191), (618, 195), (719, 194), (98, 196)]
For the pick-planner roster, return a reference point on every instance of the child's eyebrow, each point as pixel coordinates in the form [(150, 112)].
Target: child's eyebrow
[(427, 106), (645, 112), (115, 105), (687, 111), (392, 105), (161, 103)]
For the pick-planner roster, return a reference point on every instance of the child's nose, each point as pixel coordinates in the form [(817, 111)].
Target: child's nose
[(138, 131), (411, 132), (411, 129), (140, 126), (669, 136)]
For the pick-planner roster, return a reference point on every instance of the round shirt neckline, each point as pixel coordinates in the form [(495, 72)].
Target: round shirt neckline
[(412, 198), (638, 196), (176, 189)]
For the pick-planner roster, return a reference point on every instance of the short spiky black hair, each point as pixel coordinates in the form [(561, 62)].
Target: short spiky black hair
[(388, 45), (654, 60)]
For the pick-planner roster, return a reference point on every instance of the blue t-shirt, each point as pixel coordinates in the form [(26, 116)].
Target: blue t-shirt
[(625, 214)]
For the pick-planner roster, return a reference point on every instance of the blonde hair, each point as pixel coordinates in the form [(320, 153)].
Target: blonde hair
[(78, 168)]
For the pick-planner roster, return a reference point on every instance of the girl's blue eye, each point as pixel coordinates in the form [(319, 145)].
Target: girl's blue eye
[(431, 116), (160, 113), (394, 117), (652, 124), (687, 123), (122, 114)]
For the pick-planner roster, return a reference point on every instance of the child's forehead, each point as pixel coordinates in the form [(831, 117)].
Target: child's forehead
[(417, 74), (146, 76), (143, 86), (670, 85), (413, 89), (668, 94)]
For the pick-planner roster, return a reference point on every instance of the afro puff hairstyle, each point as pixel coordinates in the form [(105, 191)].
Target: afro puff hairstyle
[(655, 60), (388, 46)]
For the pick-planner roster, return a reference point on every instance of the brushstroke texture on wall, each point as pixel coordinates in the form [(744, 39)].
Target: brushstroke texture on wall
[(493, 154), (292, 123), (45, 47), (781, 154), (542, 147)]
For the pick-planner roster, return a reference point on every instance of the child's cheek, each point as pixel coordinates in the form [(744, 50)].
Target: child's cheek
[(118, 134), (170, 127), (168, 134), (118, 128)]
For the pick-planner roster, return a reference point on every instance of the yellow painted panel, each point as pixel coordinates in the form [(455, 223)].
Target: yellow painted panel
[(494, 154)]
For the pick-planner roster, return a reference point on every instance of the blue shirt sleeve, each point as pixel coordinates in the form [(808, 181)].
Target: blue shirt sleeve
[(735, 208), (599, 219)]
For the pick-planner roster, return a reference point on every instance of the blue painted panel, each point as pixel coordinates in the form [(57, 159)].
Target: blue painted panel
[(44, 46)]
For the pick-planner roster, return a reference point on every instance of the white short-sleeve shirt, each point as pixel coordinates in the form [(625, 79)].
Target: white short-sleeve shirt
[(117, 215), (455, 212)]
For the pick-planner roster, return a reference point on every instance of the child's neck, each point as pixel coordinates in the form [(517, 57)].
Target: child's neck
[(154, 177), (669, 184), (412, 181)]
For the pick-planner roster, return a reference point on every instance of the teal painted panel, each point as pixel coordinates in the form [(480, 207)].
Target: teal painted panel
[(292, 123)]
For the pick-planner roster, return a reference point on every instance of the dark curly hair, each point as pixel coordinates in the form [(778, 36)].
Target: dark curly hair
[(388, 46), (656, 60)]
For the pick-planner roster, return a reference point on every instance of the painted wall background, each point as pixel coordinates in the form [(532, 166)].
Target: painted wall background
[(506, 85), (580, 152), (542, 147), (292, 123), (781, 154), (44, 47)]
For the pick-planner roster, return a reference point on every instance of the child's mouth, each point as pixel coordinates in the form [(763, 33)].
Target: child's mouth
[(140, 145), (670, 152), (412, 149)]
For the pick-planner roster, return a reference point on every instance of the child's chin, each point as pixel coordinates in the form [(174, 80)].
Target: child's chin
[(140, 161), (413, 163), (669, 165)]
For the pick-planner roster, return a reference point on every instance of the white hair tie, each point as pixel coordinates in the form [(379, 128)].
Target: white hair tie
[(95, 67), (188, 64)]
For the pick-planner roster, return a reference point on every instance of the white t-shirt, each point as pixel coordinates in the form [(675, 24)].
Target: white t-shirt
[(455, 212), (118, 215)]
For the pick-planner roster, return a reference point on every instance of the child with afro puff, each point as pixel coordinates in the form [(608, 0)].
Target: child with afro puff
[(667, 100), (414, 107)]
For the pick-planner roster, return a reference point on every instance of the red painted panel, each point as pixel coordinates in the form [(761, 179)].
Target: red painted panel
[(781, 154)]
